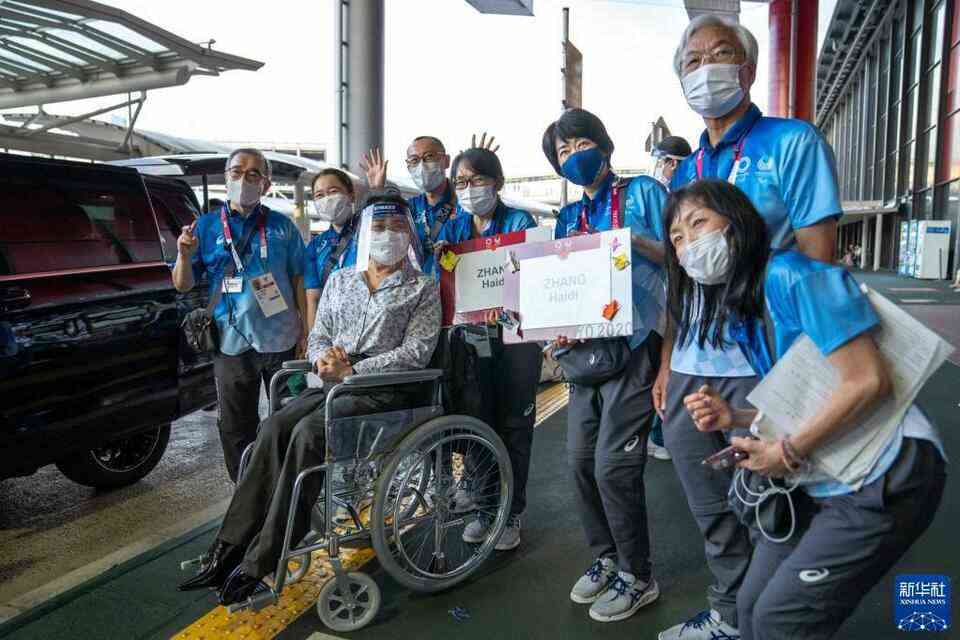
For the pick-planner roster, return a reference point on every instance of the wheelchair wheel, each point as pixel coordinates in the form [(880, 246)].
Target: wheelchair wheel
[(350, 611), (417, 536)]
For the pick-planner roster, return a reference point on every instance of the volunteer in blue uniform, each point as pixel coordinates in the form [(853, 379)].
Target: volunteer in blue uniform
[(427, 162), (259, 249), (335, 248), (608, 421), (846, 539), (510, 373), (668, 154), (787, 170)]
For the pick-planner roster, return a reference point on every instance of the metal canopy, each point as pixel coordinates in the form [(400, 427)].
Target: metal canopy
[(59, 50)]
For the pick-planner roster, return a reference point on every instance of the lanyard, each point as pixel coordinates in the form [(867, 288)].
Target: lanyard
[(228, 237), (615, 223), (737, 152)]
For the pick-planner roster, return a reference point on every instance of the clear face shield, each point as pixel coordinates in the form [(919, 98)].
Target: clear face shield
[(662, 166), (387, 236)]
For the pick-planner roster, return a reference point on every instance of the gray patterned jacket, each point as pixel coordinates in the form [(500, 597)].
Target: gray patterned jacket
[(395, 327)]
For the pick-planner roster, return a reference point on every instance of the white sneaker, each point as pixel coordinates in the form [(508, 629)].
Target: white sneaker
[(464, 500), (656, 451), (594, 581), (624, 597), (510, 538), (706, 625), (476, 531)]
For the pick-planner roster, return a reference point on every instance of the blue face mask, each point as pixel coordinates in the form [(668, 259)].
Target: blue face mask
[(583, 167)]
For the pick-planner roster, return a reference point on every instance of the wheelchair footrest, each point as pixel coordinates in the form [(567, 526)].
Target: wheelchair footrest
[(255, 602), (196, 563)]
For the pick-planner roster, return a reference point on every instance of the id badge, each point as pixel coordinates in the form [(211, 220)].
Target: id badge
[(268, 295), (233, 285), (480, 342)]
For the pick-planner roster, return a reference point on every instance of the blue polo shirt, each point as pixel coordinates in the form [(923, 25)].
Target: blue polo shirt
[(789, 173), (823, 301), (424, 216), (241, 323), (459, 228), (643, 214), (319, 251)]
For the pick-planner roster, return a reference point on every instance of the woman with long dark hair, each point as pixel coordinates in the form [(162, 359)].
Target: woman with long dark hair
[(721, 269)]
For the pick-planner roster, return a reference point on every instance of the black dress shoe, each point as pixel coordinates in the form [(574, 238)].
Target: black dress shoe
[(240, 586), (222, 558)]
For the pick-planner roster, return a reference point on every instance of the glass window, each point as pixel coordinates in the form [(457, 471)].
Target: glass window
[(909, 162), (953, 204), (890, 178), (911, 114), (896, 79), (926, 157), (925, 205), (83, 222), (953, 80), (931, 97), (878, 185), (914, 57), (950, 164), (935, 36), (917, 6), (893, 128)]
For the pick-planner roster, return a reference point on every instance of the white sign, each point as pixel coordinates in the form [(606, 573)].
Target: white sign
[(560, 291), (479, 275)]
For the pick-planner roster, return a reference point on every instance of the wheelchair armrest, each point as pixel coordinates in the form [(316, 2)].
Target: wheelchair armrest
[(297, 365), (392, 378)]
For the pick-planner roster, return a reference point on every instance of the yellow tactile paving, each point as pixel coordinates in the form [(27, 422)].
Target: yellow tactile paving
[(296, 599), (269, 622)]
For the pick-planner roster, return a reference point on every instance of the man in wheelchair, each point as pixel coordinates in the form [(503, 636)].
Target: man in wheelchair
[(383, 316)]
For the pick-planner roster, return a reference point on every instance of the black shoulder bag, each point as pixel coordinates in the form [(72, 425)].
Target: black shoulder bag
[(199, 327), (597, 360)]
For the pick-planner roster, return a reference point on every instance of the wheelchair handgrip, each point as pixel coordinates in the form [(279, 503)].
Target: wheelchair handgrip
[(297, 365), (392, 378)]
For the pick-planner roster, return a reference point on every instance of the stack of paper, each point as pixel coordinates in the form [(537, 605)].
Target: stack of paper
[(800, 384)]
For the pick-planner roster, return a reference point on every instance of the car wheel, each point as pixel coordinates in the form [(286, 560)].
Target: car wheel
[(118, 463)]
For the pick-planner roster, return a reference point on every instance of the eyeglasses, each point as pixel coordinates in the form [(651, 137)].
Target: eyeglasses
[(250, 175), (462, 182), (721, 54), (429, 156)]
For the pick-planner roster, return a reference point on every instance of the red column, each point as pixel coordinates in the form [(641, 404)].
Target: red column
[(805, 62)]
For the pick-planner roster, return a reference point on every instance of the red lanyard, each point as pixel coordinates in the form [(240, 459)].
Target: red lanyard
[(737, 152), (615, 222), (228, 237)]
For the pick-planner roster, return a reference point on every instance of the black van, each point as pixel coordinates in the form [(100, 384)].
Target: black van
[(92, 368)]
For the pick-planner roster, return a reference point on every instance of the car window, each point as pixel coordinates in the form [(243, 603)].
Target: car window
[(71, 218), (174, 208)]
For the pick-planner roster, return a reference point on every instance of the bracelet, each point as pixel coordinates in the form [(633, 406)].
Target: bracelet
[(791, 460)]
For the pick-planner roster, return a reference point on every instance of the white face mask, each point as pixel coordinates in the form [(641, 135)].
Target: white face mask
[(713, 90), (335, 208), (660, 175), (427, 176), (243, 193), (388, 247), (479, 201), (707, 259)]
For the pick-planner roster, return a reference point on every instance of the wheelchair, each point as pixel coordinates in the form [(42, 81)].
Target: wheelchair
[(392, 478)]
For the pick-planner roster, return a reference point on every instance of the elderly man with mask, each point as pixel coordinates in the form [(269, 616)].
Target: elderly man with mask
[(788, 172), (243, 247), (385, 317)]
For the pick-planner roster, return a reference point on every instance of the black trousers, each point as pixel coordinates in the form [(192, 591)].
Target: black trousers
[(805, 588), (238, 381), (510, 377), (607, 430), (290, 441)]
